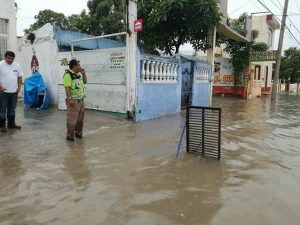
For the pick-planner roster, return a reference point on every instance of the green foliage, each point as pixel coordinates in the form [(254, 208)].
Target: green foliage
[(171, 23), (49, 16), (240, 52), (81, 22), (239, 24), (290, 69), (107, 16), (167, 23), (104, 17)]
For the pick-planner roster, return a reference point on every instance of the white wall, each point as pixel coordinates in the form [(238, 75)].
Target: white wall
[(106, 70), (7, 11), (263, 73), (260, 24), (46, 50), (254, 84)]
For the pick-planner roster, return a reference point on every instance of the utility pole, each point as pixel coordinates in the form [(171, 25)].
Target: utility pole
[(278, 60), (211, 59), (131, 43)]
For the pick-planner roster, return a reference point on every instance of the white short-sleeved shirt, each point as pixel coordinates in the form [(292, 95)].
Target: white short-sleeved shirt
[(9, 76)]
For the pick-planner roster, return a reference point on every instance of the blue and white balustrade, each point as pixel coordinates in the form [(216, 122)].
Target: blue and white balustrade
[(202, 74), (158, 72)]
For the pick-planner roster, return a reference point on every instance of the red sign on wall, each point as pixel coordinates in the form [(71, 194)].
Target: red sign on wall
[(138, 25)]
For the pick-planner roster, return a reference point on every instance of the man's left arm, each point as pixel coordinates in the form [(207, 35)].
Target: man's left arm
[(19, 84), (19, 78)]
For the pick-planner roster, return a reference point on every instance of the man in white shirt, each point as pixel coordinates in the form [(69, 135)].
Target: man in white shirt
[(10, 85)]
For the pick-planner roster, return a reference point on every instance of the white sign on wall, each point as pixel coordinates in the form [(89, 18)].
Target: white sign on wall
[(107, 66)]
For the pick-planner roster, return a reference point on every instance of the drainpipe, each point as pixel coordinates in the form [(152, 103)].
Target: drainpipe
[(211, 60), (131, 44)]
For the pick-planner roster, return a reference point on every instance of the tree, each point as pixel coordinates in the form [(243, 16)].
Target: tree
[(80, 22), (169, 23), (240, 52), (289, 68), (107, 16), (239, 24), (104, 17), (49, 16)]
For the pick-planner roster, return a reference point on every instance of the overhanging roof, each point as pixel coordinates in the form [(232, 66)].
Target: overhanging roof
[(230, 33)]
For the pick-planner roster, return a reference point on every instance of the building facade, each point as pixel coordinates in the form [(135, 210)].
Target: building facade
[(8, 27), (258, 78), (262, 72)]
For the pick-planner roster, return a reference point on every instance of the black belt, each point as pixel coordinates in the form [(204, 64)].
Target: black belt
[(78, 100)]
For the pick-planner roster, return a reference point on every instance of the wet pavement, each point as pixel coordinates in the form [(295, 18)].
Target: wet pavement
[(123, 173)]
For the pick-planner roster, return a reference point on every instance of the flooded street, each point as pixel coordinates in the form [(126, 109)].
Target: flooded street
[(123, 173)]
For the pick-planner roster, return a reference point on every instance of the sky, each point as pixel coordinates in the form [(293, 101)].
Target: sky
[(29, 8)]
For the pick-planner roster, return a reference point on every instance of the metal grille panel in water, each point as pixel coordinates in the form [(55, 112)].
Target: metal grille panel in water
[(204, 131)]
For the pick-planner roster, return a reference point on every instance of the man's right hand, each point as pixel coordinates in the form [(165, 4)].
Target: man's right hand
[(71, 102), (2, 90)]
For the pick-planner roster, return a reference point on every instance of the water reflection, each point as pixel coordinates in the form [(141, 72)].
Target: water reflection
[(123, 173), (76, 165), (11, 171), (261, 151)]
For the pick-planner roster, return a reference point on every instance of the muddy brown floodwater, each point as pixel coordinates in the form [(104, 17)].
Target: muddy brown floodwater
[(123, 173)]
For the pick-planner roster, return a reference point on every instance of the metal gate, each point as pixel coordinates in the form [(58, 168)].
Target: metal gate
[(204, 131)]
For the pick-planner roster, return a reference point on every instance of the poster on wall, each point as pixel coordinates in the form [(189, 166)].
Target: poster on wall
[(223, 73), (34, 63), (107, 66), (64, 59)]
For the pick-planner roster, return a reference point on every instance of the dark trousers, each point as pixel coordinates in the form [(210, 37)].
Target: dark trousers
[(8, 103)]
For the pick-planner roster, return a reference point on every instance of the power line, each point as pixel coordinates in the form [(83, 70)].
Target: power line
[(291, 14), (278, 7), (286, 27), (297, 5), (279, 3), (291, 22), (265, 6), (294, 25), (255, 5), (234, 11)]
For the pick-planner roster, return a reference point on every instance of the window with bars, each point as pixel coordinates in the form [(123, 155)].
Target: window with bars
[(3, 37)]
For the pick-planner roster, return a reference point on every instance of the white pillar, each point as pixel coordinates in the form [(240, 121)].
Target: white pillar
[(132, 57), (211, 60)]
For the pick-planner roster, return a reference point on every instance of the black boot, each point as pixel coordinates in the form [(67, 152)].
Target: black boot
[(70, 138), (3, 129), (14, 126)]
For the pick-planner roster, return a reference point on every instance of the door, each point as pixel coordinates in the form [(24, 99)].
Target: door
[(187, 84), (266, 78), (257, 73)]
